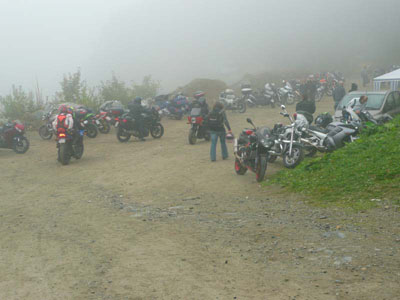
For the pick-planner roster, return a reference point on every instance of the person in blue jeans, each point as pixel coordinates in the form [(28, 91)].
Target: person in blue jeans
[(217, 121)]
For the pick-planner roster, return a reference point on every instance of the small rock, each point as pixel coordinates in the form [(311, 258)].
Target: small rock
[(323, 217)]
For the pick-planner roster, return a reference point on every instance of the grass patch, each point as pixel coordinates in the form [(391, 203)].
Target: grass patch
[(350, 177)]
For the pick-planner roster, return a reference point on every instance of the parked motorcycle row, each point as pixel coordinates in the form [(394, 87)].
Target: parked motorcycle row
[(258, 146)]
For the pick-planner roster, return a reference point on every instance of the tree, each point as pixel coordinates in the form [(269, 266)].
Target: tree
[(19, 104), (148, 89), (115, 89)]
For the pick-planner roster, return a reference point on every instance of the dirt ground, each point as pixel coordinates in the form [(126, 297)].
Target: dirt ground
[(158, 220)]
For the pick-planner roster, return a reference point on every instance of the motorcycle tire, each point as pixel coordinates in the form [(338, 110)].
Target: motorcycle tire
[(157, 131), (290, 100), (22, 146), (297, 156), (272, 158), (45, 133), (239, 169), (105, 127), (261, 168), (91, 130), (63, 154), (192, 136), (242, 107), (78, 150), (272, 104), (122, 136)]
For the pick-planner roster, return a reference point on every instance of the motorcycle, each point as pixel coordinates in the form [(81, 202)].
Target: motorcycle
[(287, 95), (87, 121), (231, 102), (248, 98), (323, 89), (12, 137), (102, 121), (198, 128), (46, 130), (271, 95), (251, 150), (127, 126), (68, 146), (287, 142)]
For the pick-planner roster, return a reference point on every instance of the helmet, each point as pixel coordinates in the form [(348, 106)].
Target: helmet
[(199, 94), (138, 100), (63, 109)]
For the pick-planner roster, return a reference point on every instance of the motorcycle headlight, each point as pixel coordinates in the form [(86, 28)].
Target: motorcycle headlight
[(267, 143)]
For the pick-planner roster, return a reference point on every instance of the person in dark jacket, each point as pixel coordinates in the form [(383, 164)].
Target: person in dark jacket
[(307, 108), (338, 93), (135, 110), (217, 121), (354, 87), (310, 89)]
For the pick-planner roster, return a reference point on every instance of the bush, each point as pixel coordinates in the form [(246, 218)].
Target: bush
[(353, 175)]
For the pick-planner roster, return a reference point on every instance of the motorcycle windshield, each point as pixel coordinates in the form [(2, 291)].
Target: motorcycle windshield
[(196, 111), (263, 132)]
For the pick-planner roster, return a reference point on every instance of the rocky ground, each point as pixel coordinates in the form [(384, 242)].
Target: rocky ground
[(158, 220)]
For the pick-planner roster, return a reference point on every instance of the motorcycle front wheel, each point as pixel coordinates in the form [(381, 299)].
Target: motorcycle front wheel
[(291, 161), (241, 106), (157, 131), (63, 154), (192, 136), (122, 136), (290, 100), (91, 130), (21, 146), (239, 168), (45, 133), (261, 168)]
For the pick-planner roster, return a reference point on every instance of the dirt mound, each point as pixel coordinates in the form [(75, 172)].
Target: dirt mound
[(211, 87)]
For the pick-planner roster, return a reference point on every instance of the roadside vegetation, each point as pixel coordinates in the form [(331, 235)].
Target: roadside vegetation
[(359, 175)]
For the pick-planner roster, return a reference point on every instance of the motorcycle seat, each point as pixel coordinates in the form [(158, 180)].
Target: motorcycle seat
[(319, 129)]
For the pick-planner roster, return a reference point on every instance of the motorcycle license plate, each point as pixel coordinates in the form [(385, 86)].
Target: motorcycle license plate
[(108, 118), (61, 141)]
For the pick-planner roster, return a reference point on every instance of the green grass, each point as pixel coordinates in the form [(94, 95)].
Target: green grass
[(350, 177)]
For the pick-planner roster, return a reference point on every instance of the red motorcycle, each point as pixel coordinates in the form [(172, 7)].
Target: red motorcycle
[(12, 137), (102, 121), (198, 129)]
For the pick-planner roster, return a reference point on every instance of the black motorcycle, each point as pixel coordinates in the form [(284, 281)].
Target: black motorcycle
[(69, 146), (151, 119), (252, 150), (46, 130), (198, 129)]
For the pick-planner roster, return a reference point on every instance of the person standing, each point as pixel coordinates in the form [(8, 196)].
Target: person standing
[(364, 76), (310, 89), (217, 121), (135, 110), (338, 93)]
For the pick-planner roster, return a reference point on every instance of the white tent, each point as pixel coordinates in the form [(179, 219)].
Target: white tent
[(392, 77)]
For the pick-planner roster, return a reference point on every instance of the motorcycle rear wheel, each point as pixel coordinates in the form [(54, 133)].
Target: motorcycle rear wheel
[(45, 133), (261, 168), (122, 136), (22, 146), (157, 131), (293, 160), (239, 168), (192, 136), (241, 107), (105, 127), (91, 130), (63, 154)]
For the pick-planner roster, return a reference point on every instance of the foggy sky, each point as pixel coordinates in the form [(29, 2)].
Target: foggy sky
[(178, 40)]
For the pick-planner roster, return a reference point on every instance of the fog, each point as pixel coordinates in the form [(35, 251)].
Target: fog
[(178, 40)]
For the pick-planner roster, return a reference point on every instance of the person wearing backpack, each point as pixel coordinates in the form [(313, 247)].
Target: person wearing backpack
[(217, 121), (64, 120)]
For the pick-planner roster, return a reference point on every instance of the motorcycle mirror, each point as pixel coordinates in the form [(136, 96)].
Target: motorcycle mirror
[(249, 121), (283, 106)]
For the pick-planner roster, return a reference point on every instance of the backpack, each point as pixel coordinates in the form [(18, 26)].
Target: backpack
[(61, 126), (215, 120)]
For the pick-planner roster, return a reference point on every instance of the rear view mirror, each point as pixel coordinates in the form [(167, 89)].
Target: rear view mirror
[(249, 121)]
